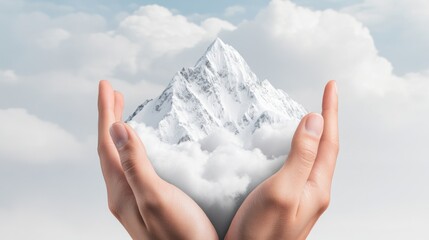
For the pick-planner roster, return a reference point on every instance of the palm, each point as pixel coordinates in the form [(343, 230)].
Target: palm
[(147, 206), (288, 204), (285, 206)]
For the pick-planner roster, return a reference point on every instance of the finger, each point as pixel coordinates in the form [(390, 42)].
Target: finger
[(106, 100), (136, 166), (303, 151), (109, 158), (324, 165), (121, 203), (119, 106)]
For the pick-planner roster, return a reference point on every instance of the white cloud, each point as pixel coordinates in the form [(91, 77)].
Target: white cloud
[(234, 10), (8, 76), (400, 29), (273, 140), (295, 39), (160, 31), (218, 171), (49, 218), (382, 115), (75, 42), (30, 139), (299, 49), (214, 26), (379, 11), (51, 38), (79, 43), (104, 53), (78, 50)]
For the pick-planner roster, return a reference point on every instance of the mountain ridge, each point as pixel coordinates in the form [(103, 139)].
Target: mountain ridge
[(220, 91)]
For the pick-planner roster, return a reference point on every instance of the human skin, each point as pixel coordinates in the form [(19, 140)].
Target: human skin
[(288, 204), (147, 206), (285, 206)]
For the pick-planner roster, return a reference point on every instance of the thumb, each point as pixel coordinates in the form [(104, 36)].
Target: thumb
[(305, 144), (136, 166)]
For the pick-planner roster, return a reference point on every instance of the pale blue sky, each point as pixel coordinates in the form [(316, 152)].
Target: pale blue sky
[(189, 7), (394, 39)]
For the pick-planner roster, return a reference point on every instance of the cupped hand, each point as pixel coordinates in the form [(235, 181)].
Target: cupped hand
[(288, 204), (147, 206)]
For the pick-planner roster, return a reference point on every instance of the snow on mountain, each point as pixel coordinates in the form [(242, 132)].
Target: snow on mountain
[(220, 91)]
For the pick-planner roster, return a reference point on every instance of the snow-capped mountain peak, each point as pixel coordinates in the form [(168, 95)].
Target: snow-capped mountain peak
[(220, 91)]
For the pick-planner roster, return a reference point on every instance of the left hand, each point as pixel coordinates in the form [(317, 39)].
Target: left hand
[(147, 206)]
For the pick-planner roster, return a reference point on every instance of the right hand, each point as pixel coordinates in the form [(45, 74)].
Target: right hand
[(288, 204)]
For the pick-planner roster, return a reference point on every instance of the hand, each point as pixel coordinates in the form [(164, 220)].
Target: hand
[(288, 204), (147, 206)]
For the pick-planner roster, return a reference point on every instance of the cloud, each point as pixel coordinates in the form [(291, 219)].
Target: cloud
[(80, 48), (49, 204), (383, 113), (380, 11), (30, 139), (68, 43), (234, 10), (306, 48), (8, 76), (160, 31), (214, 26), (399, 24), (220, 170), (298, 50), (296, 39), (51, 38)]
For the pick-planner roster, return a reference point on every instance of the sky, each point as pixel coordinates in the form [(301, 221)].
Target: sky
[(53, 55)]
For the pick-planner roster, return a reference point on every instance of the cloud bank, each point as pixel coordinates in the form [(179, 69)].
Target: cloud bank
[(221, 169), (383, 113), (24, 137)]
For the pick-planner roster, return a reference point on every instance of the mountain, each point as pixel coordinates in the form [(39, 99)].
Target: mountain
[(220, 91)]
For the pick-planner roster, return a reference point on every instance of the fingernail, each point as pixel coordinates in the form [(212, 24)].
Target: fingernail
[(119, 134), (314, 124)]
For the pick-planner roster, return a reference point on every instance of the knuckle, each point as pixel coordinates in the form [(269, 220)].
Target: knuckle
[(115, 209), (129, 158), (153, 203), (307, 154), (280, 199), (324, 201), (101, 148), (128, 166)]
